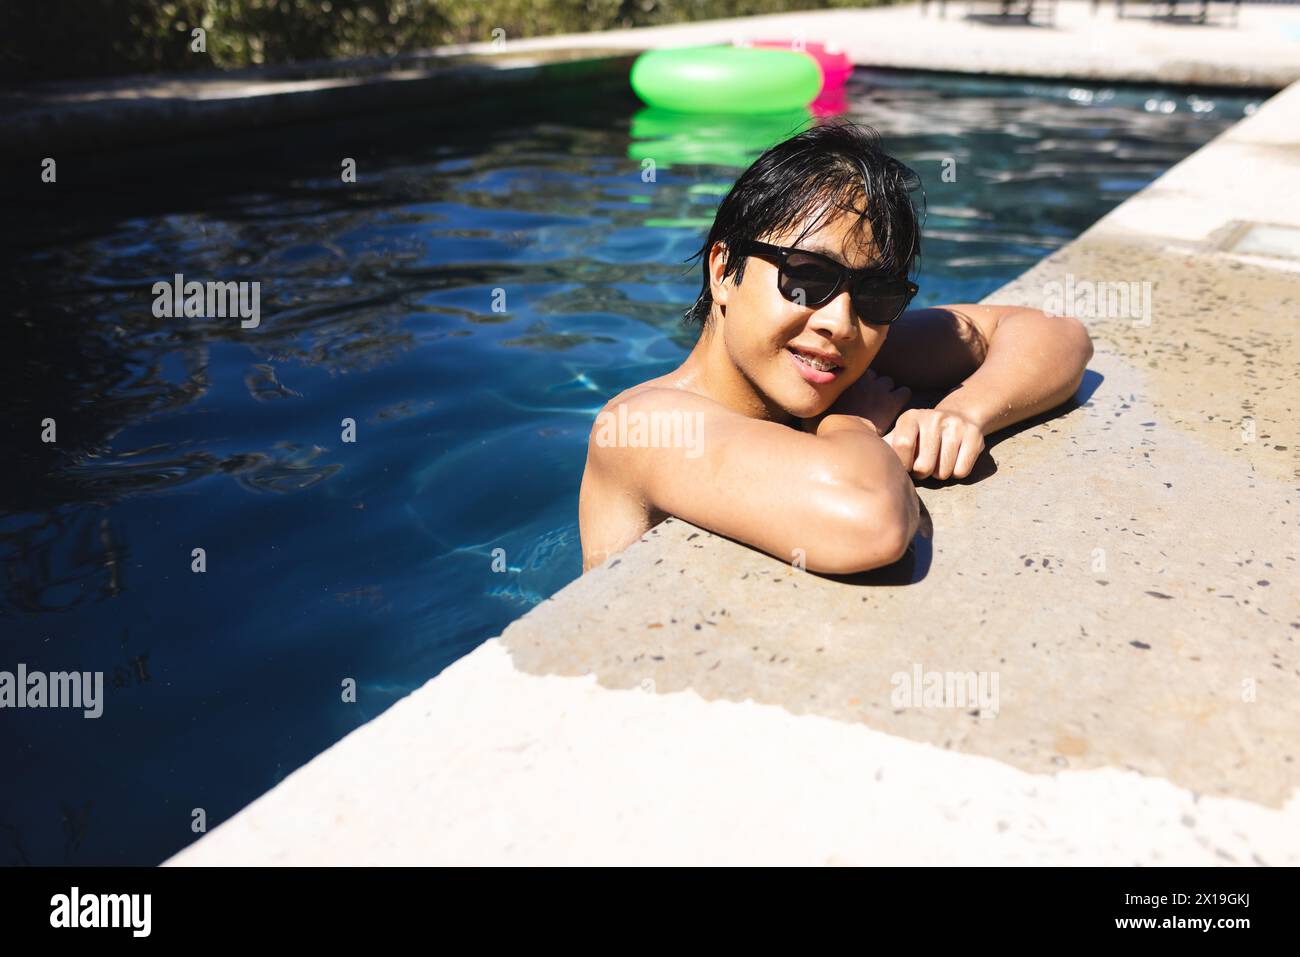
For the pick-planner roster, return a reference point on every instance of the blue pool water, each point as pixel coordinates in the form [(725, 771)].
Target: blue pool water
[(373, 560)]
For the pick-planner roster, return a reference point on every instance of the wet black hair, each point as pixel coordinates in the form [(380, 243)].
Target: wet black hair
[(821, 171)]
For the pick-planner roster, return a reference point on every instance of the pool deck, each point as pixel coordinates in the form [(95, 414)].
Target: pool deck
[(1262, 51), (1125, 567)]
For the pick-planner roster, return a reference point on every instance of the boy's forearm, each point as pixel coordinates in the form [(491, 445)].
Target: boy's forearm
[(851, 422), (869, 461), (875, 464), (834, 423), (1034, 363), (871, 465)]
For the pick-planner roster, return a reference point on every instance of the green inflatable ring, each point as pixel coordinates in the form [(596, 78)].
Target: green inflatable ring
[(725, 79)]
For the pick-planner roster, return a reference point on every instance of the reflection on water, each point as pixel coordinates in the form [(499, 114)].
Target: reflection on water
[(694, 139), (469, 303)]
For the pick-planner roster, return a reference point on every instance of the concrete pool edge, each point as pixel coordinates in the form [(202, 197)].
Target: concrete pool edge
[(580, 736)]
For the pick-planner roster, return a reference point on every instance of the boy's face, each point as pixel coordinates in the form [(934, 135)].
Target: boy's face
[(762, 330)]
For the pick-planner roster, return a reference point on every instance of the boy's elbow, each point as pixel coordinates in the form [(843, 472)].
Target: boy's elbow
[(897, 517), (1077, 333), (868, 530)]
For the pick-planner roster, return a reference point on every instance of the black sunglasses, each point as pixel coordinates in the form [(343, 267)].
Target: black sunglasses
[(812, 279)]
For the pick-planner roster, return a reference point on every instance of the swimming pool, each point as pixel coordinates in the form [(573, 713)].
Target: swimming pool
[(469, 304)]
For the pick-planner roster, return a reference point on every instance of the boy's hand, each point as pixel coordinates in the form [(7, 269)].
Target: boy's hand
[(936, 443), (873, 397)]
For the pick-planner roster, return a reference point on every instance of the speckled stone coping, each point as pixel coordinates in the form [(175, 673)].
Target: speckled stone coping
[(1126, 566)]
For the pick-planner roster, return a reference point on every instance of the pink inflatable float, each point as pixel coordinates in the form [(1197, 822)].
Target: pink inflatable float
[(835, 63)]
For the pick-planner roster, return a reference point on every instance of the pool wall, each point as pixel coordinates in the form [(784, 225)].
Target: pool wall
[(85, 116), (1124, 570)]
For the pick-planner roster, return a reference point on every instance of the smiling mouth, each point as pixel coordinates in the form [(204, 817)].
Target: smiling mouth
[(814, 361)]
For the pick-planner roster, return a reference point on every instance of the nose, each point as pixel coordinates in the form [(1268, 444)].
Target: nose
[(835, 317)]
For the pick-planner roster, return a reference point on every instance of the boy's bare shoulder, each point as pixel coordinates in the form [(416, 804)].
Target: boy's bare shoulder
[(662, 395), (661, 399)]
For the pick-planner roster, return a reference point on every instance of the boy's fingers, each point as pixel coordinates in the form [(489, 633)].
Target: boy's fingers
[(927, 451), (903, 441), (948, 455), (970, 452)]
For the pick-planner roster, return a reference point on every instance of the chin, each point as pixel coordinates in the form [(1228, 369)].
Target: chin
[(804, 404)]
